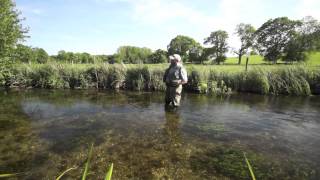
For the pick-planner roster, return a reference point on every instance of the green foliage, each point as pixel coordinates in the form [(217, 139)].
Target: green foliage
[(24, 54), (304, 40), (41, 55), (246, 34), (133, 55), (291, 80), (218, 40), (109, 173), (11, 29), (138, 79), (249, 167), (182, 45), (46, 76), (274, 35), (160, 56), (255, 81), (86, 169), (197, 54)]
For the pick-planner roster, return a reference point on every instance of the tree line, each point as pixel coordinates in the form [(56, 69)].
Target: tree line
[(277, 39)]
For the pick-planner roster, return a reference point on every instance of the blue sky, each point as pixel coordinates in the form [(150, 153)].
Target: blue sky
[(101, 26)]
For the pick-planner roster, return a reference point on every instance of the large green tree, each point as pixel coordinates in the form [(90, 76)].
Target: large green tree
[(23, 53), (11, 29), (182, 45), (41, 56), (246, 34), (274, 36), (304, 40), (159, 56), (197, 54), (218, 40)]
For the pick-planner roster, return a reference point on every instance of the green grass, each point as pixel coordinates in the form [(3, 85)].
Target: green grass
[(313, 59), (292, 79)]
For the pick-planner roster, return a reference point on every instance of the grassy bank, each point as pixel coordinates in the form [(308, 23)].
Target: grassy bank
[(261, 79), (313, 58)]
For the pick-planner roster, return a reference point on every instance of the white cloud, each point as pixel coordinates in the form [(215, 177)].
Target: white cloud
[(309, 8)]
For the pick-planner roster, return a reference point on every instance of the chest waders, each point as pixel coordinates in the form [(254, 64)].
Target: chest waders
[(174, 88)]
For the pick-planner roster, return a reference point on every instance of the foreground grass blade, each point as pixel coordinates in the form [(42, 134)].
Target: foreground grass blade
[(86, 169), (62, 174), (7, 175), (249, 166), (109, 173)]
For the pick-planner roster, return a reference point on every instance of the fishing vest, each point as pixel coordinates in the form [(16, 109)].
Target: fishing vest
[(173, 76)]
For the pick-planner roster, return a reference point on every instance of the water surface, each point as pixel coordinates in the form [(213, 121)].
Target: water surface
[(43, 133)]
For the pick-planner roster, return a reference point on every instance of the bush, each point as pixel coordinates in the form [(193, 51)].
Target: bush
[(255, 81), (138, 79), (46, 76)]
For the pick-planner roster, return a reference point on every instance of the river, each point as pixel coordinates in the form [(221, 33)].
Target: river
[(44, 132)]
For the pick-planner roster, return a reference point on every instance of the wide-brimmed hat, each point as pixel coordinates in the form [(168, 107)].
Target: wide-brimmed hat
[(176, 57)]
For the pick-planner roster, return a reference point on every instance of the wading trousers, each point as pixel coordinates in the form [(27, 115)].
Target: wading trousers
[(173, 95)]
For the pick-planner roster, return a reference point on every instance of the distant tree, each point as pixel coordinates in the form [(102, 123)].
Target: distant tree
[(86, 58), (11, 29), (246, 34), (41, 56), (197, 54), (24, 54), (218, 40), (182, 45), (274, 36), (159, 56), (62, 56), (113, 59), (132, 54), (304, 40)]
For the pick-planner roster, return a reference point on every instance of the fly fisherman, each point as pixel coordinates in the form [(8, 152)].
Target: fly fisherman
[(174, 77)]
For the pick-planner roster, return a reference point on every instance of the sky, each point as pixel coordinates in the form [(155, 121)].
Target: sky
[(101, 26)]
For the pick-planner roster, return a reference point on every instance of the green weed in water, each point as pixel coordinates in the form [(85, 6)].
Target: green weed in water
[(86, 169), (249, 167), (64, 172), (109, 173), (7, 175)]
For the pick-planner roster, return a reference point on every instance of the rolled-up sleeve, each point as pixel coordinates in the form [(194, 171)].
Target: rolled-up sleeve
[(184, 74)]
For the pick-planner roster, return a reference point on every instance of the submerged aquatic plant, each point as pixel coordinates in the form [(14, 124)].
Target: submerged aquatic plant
[(64, 172), (7, 175), (86, 168), (249, 167), (109, 173)]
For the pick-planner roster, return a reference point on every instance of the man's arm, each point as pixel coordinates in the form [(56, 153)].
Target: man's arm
[(184, 76), (165, 76)]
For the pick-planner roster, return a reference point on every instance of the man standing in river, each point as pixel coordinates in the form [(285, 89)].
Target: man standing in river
[(174, 77)]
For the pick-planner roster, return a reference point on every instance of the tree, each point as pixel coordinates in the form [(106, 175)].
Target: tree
[(41, 56), (23, 54), (274, 36), (220, 46), (246, 34), (182, 45), (11, 29), (132, 54), (159, 56), (197, 54)]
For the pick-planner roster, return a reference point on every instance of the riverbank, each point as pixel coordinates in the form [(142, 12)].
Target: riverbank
[(259, 79)]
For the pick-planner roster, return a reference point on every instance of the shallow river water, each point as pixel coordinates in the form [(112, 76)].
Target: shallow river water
[(44, 132)]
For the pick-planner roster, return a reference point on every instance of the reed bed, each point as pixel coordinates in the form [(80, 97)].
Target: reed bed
[(259, 79)]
